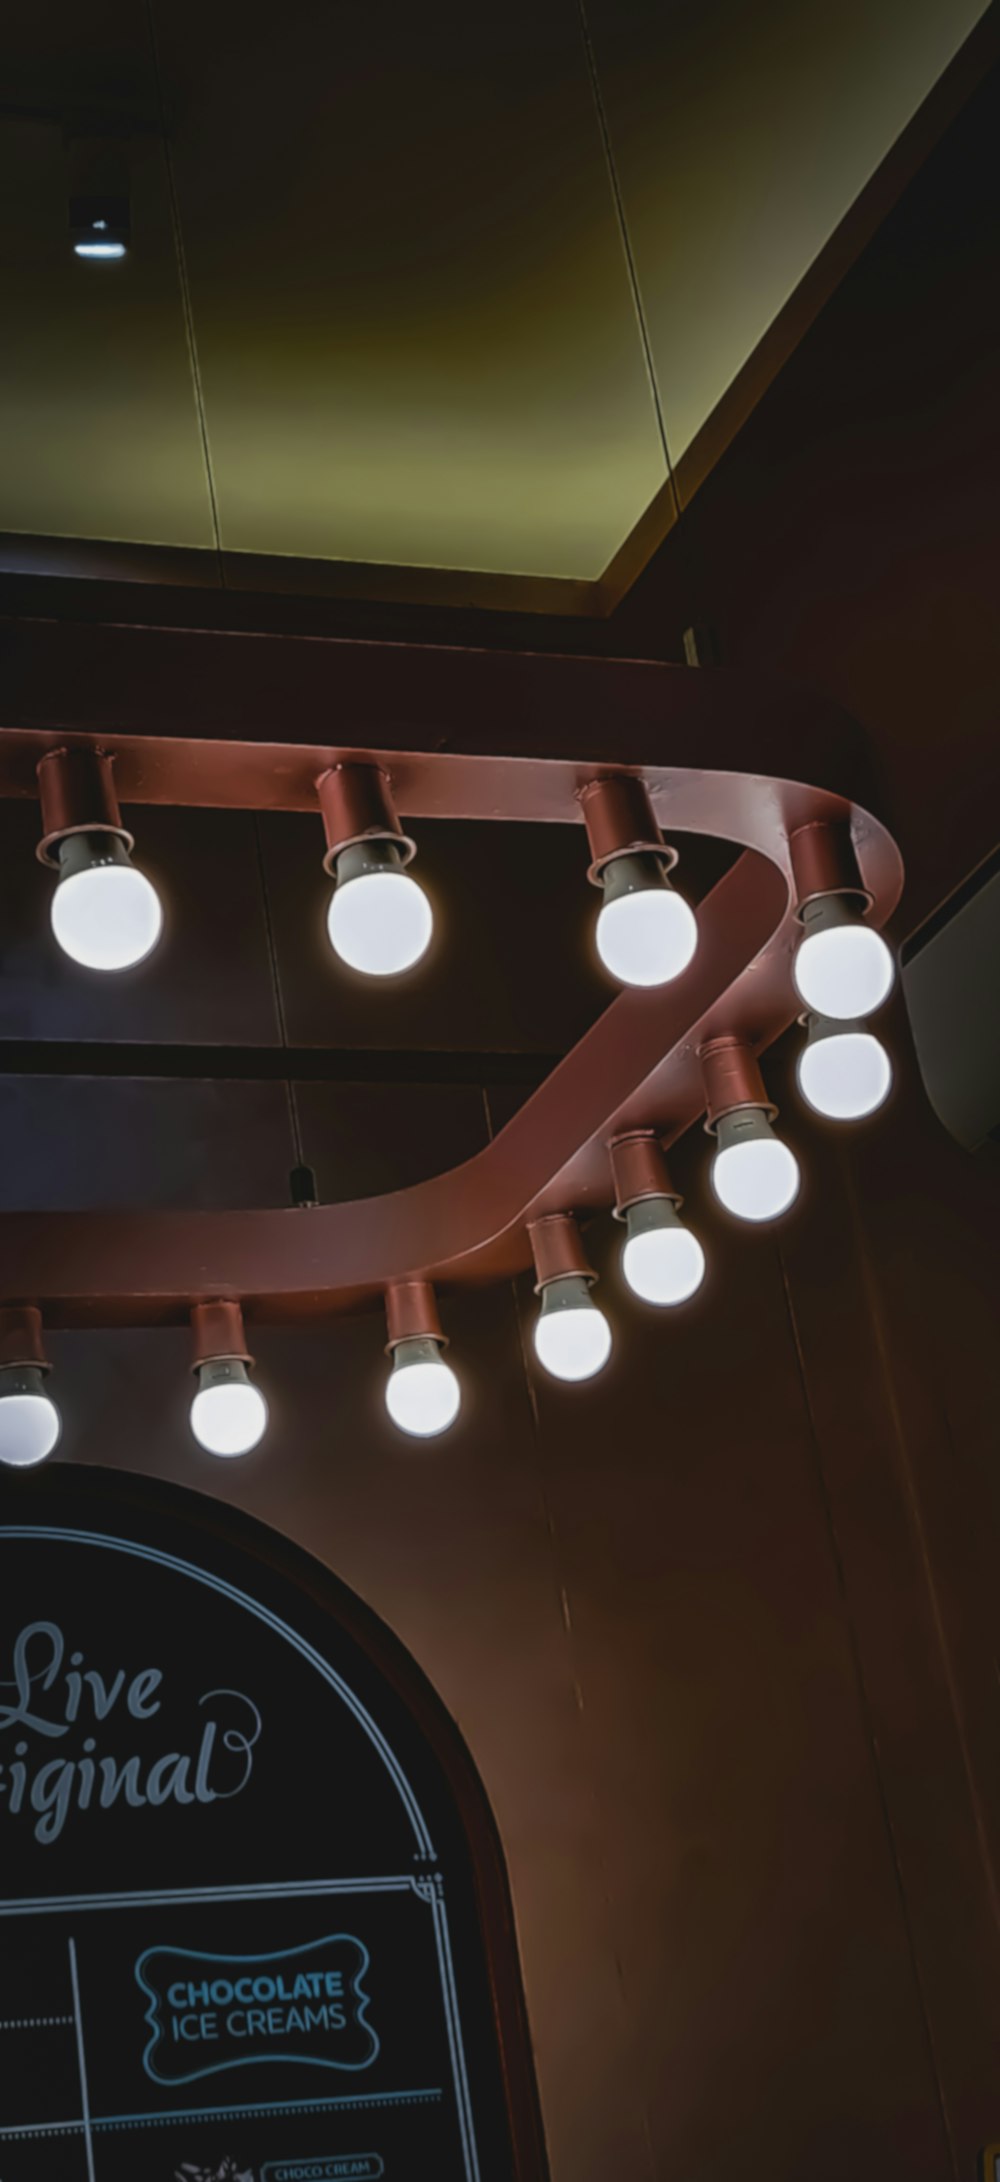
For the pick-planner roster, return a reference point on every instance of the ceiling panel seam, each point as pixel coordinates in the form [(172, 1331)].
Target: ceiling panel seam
[(626, 243), (185, 289)]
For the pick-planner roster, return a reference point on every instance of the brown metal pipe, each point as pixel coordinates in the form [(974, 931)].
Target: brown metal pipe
[(620, 821), (76, 792), (639, 1170), (731, 1078), (21, 1341), (558, 1251), (411, 1313), (218, 1332), (823, 862), (356, 803)]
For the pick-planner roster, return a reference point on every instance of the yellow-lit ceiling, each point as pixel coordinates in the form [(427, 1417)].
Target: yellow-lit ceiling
[(446, 287)]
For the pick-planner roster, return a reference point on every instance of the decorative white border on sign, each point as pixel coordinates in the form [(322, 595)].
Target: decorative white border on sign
[(47, 1532), (429, 1890)]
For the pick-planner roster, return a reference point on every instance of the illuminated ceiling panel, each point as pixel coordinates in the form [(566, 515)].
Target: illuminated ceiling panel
[(98, 424), (399, 281), (740, 143), (414, 321)]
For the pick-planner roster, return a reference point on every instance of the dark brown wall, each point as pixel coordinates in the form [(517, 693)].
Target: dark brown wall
[(721, 1629), (850, 538)]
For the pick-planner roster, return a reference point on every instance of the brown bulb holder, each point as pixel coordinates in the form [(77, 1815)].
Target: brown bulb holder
[(357, 806), (639, 1171), (76, 792), (558, 1252), (731, 1079), (411, 1314), (823, 862), (219, 1334), (620, 821), (21, 1342)]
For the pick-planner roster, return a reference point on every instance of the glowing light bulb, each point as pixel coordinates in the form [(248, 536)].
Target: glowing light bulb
[(662, 1261), (646, 933), (105, 914), (422, 1394), (754, 1174), (844, 1071), (572, 1337), (379, 920), (99, 249), (228, 1413), (30, 1423), (842, 967)]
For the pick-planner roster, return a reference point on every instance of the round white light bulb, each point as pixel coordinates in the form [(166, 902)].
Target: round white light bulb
[(379, 920), (572, 1337), (754, 1174), (663, 1264), (422, 1393), (105, 914), (229, 1416), (845, 1074), (30, 1423), (646, 934), (842, 966), (646, 939)]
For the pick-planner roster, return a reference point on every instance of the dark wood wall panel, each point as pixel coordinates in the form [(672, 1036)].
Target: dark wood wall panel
[(849, 537)]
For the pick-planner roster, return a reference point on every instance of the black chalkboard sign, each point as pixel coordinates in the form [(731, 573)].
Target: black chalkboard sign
[(254, 1925)]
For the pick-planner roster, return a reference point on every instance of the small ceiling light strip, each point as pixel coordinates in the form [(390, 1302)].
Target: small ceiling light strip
[(100, 225)]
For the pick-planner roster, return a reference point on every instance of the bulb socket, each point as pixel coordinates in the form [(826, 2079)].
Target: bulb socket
[(76, 793), (362, 857), (566, 1292), (824, 863), (22, 1345), (732, 1080), (358, 811), (21, 1379), (558, 1251), (632, 873), (89, 851), (411, 1315), (817, 1026), (620, 822), (639, 1171), (650, 1213), (222, 1371), (219, 1336), (415, 1349), (830, 912), (743, 1125)]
